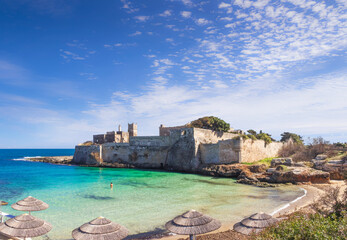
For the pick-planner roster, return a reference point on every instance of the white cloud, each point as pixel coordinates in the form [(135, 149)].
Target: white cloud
[(187, 2), (127, 5), (253, 58), (243, 3), (226, 19), (166, 13), (142, 18), (70, 55), (137, 33), (224, 5), (290, 108), (186, 14), (202, 21), (261, 3)]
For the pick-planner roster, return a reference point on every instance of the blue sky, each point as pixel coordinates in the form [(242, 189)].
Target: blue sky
[(70, 69)]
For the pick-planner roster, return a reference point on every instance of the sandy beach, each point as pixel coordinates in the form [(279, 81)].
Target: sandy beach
[(312, 194)]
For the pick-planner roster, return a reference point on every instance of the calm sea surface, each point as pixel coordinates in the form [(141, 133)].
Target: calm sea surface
[(140, 200)]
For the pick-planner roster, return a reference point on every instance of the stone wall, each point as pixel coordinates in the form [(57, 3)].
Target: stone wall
[(144, 152), (184, 149), (99, 138), (149, 152), (115, 152), (206, 136), (150, 141), (88, 155), (165, 131), (223, 152), (254, 150)]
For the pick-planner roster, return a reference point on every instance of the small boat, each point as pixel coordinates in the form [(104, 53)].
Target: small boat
[(3, 203)]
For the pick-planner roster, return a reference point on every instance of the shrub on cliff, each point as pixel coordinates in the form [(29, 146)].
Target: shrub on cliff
[(296, 138), (328, 222), (313, 227), (316, 146), (252, 134), (264, 136), (87, 143), (212, 123)]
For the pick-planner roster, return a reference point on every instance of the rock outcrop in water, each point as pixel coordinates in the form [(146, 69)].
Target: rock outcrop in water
[(55, 160)]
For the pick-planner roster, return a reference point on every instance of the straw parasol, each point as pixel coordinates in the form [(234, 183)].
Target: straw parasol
[(30, 204), (2, 203), (25, 226), (255, 223), (192, 223), (100, 229)]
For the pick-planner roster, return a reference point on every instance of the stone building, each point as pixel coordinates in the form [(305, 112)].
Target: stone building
[(116, 136), (178, 148)]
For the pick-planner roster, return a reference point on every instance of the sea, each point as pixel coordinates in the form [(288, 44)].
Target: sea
[(141, 200)]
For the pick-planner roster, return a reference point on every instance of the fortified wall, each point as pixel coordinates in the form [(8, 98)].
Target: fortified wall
[(177, 148)]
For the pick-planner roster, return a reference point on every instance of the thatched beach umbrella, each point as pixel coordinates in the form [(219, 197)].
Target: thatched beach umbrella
[(30, 204), (100, 229), (2, 203), (25, 226), (192, 223), (255, 223)]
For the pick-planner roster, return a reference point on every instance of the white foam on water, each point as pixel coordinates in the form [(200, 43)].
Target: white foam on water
[(25, 158), (288, 204)]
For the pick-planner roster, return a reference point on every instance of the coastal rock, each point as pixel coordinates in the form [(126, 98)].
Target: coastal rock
[(281, 161), (300, 174), (300, 164), (232, 171), (321, 157), (259, 168), (336, 168), (55, 160)]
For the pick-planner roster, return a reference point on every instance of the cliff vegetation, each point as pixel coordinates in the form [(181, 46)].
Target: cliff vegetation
[(212, 123)]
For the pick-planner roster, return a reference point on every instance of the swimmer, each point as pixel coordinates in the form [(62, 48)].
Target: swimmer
[(111, 185)]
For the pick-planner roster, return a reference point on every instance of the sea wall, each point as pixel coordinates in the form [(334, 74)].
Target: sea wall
[(149, 152), (87, 155), (182, 151), (254, 150), (144, 152), (115, 152)]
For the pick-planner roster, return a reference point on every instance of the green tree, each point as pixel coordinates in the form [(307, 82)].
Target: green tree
[(264, 136), (252, 132), (212, 123), (296, 138)]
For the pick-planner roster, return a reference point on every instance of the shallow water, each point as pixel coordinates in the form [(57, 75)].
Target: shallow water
[(140, 200)]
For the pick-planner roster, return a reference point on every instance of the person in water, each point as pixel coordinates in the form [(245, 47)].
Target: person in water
[(111, 185)]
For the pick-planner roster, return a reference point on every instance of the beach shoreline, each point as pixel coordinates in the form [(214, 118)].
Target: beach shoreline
[(311, 194)]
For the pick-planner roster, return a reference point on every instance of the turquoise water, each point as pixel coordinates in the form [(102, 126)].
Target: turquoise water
[(140, 200)]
